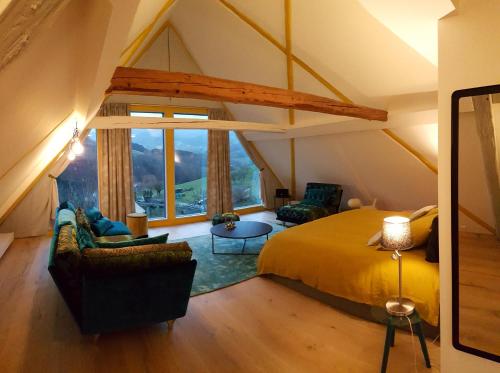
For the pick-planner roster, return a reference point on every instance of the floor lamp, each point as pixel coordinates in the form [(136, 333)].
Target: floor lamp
[(396, 235)]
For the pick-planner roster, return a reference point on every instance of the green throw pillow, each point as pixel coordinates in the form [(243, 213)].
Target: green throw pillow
[(84, 238), (137, 242)]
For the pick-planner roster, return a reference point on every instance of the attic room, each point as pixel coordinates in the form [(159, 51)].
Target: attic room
[(249, 186)]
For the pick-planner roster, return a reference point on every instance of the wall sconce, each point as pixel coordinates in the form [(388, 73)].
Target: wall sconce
[(75, 146)]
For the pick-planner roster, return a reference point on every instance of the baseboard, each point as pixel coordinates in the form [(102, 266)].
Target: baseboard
[(5, 241)]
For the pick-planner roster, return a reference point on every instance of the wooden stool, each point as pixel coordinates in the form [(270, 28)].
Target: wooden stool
[(394, 322), (138, 224)]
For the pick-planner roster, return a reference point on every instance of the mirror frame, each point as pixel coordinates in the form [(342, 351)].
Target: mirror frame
[(455, 101)]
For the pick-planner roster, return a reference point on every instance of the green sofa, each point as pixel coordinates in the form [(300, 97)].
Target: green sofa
[(320, 200), (125, 285)]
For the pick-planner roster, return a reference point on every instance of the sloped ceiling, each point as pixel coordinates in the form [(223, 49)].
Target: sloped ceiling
[(57, 80), (61, 76)]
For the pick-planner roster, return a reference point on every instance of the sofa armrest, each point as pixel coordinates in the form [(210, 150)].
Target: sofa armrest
[(131, 259)]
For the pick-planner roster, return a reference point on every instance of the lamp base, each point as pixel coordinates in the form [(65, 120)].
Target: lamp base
[(400, 307)]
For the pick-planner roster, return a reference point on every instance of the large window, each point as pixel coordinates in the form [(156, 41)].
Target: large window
[(148, 158), (190, 172), (78, 182), (244, 176)]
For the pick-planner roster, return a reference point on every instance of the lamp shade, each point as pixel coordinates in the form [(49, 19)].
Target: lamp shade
[(396, 233)]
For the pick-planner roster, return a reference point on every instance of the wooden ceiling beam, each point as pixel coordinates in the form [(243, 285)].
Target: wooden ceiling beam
[(177, 123), (147, 82)]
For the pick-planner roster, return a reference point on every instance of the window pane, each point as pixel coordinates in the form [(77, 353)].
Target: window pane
[(148, 157), (145, 114), (244, 176), (190, 116), (190, 172), (78, 183)]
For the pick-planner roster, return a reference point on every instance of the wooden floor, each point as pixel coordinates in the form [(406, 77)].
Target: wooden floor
[(479, 309), (255, 326)]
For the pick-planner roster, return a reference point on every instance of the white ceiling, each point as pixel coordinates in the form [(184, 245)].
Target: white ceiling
[(370, 50)]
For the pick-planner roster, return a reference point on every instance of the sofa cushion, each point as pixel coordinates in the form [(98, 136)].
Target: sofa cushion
[(67, 254), (118, 228), (93, 214), (65, 217), (84, 238), (129, 259), (134, 242), (100, 226), (83, 221), (301, 213)]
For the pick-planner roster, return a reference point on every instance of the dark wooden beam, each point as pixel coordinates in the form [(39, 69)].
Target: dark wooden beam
[(144, 82)]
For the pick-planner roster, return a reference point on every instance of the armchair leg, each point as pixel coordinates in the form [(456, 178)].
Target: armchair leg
[(170, 324)]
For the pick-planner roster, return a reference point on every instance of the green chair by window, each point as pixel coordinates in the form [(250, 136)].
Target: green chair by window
[(320, 200)]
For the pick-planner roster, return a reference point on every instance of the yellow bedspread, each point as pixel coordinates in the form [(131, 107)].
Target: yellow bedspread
[(331, 255)]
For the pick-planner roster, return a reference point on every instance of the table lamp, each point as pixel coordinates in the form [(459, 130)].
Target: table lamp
[(396, 235)]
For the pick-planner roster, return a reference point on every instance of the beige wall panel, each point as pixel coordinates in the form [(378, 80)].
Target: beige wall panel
[(468, 57)]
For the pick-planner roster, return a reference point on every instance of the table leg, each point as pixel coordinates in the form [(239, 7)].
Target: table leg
[(387, 346), (418, 329), (244, 244), (393, 337), (213, 251)]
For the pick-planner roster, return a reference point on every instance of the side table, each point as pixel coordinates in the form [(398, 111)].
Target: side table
[(394, 322), (137, 222)]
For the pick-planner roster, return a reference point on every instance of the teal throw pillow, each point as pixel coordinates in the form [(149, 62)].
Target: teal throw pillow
[(93, 214), (67, 205), (99, 227), (65, 217)]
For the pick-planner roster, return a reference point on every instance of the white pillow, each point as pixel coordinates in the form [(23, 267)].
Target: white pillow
[(375, 239), (421, 212)]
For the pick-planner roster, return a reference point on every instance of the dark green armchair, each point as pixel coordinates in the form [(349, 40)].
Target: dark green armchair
[(320, 200)]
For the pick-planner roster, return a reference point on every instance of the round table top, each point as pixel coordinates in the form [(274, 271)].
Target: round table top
[(244, 229), (137, 215)]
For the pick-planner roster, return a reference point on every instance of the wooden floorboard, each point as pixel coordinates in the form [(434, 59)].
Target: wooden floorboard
[(255, 326)]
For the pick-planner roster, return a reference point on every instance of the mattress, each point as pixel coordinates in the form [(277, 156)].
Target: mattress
[(331, 255)]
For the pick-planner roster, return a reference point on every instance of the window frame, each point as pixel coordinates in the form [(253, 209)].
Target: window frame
[(168, 133)]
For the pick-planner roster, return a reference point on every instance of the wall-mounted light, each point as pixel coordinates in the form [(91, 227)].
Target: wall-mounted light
[(75, 146)]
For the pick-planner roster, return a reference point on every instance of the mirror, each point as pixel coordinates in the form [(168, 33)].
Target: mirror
[(476, 221)]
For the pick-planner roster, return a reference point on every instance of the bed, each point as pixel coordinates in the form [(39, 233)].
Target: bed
[(332, 256)]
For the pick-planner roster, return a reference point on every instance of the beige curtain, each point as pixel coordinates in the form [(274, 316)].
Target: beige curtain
[(268, 180), (219, 194), (116, 196)]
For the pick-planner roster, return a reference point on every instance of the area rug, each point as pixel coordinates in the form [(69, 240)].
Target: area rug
[(219, 271)]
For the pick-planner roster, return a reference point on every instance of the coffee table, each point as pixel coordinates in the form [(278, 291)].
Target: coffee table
[(243, 231)]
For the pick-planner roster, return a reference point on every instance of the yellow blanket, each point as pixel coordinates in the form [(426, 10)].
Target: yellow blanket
[(331, 255)]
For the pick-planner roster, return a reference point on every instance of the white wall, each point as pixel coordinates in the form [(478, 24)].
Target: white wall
[(469, 55), (368, 164)]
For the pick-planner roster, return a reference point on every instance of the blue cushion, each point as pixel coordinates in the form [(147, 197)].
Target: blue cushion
[(65, 217), (137, 242), (93, 214), (67, 205), (99, 227), (84, 238), (118, 228)]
